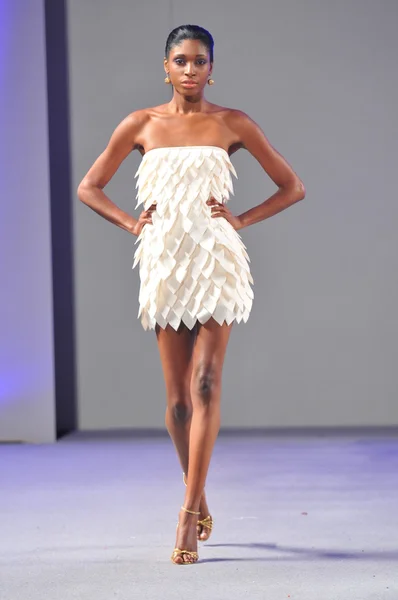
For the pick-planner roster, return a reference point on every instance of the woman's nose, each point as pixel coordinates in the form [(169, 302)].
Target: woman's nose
[(189, 68)]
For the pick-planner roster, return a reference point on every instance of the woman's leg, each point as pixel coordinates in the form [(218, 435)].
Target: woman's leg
[(176, 350), (207, 363)]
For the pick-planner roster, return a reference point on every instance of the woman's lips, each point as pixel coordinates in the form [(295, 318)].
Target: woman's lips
[(189, 83)]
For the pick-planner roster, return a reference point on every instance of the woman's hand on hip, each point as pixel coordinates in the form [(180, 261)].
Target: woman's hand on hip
[(144, 218), (219, 209)]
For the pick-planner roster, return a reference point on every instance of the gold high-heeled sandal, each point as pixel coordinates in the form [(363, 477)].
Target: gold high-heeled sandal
[(177, 552), (207, 522)]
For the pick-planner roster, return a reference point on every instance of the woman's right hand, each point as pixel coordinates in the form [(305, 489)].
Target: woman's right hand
[(144, 218)]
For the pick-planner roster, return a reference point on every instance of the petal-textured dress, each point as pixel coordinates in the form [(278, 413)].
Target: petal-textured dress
[(192, 266)]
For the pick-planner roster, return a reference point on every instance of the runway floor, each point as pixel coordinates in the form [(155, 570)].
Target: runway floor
[(296, 516)]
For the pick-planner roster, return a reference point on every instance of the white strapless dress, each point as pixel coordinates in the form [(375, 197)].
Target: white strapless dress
[(192, 266)]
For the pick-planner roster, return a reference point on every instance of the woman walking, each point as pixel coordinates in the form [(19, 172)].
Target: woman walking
[(194, 272)]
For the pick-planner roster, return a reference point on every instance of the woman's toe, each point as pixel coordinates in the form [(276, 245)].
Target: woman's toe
[(178, 559)]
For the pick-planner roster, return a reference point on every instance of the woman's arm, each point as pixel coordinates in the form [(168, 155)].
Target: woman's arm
[(121, 143), (291, 188)]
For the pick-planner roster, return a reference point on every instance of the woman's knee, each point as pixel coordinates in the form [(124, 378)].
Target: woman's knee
[(180, 406), (205, 383)]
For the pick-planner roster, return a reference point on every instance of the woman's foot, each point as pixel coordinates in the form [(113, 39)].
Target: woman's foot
[(186, 548), (204, 528)]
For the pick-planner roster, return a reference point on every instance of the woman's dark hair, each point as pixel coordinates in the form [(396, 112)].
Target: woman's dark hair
[(189, 32)]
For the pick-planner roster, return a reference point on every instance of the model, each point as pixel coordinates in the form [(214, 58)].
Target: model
[(194, 268)]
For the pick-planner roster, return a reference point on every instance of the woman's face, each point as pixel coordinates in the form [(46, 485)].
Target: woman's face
[(188, 66)]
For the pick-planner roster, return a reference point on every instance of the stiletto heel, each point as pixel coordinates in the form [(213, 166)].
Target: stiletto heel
[(206, 523)]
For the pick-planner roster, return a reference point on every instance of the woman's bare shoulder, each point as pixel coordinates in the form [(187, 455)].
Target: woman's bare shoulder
[(235, 121), (135, 122), (137, 117), (151, 111), (236, 116), (243, 126), (141, 116)]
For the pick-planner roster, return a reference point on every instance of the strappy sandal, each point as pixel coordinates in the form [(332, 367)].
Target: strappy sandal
[(207, 522), (177, 552), (193, 556)]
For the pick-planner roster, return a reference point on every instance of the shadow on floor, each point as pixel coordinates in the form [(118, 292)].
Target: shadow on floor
[(305, 553)]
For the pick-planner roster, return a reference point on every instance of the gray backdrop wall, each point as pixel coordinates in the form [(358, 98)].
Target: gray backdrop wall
[(321, 344)]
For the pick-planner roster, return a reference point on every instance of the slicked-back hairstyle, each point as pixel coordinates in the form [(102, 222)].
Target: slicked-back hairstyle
[(190, 32)]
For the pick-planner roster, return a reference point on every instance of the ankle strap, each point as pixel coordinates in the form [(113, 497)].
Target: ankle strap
[(191, 512)]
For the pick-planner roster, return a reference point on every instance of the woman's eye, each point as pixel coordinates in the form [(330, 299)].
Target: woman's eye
[(180, 61)]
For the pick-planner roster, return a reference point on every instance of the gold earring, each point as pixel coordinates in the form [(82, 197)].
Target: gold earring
[(167, 79), (210, 81)]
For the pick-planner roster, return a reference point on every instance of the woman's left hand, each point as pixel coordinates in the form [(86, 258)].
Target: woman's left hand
[(218, 209)]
